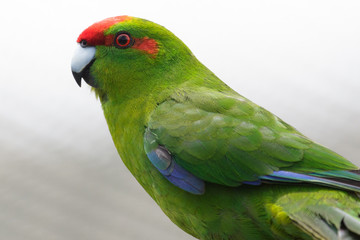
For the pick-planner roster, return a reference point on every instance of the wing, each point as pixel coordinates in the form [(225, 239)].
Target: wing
[(224, 138)]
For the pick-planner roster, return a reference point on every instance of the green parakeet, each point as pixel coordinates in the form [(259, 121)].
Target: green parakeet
[(218, 165)]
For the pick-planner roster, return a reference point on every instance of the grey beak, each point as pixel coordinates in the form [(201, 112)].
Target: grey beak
[(77, 77), (81, 62)]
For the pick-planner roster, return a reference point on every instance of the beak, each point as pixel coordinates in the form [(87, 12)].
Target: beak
[(81, 62)]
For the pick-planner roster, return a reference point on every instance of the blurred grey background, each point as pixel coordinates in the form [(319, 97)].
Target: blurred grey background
[(60, 175)]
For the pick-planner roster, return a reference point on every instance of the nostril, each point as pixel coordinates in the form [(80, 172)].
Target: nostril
[(83, 43)]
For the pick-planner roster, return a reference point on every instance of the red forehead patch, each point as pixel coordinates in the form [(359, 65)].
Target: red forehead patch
[(94, 35)]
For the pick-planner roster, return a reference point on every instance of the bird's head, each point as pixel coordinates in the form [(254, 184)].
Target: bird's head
[(122, 51)]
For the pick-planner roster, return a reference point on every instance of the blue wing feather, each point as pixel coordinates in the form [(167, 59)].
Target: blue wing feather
[(174, 173), (338, 179)]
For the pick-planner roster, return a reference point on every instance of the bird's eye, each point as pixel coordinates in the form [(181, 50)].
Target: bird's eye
[(83, 43), (123, 40)]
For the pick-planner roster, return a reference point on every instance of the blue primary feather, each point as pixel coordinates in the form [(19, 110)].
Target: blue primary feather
[(334, 179), (255, 183)]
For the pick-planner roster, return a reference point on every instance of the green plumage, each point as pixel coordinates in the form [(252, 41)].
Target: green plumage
[(170, 99)]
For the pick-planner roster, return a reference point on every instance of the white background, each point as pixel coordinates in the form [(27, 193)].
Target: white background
[(60, 175)]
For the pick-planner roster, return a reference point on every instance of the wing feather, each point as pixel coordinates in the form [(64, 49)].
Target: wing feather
[(224, 138)]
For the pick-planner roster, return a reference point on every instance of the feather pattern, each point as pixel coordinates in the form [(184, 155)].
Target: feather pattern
[(226, 139)]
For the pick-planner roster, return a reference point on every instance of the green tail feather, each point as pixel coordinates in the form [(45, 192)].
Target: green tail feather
[(318, 213), (328, 222), (329, 219)]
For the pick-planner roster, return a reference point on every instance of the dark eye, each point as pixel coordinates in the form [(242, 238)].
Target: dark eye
[(123, 40), (83, 43)]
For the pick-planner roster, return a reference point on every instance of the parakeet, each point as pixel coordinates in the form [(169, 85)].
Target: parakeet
[(218, 165)]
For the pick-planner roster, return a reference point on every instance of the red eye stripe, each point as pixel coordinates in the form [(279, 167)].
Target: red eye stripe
[(109, 39), (146, 44)]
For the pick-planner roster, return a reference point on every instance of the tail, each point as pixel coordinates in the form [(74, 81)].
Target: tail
[(316, 213), (324, 222)]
